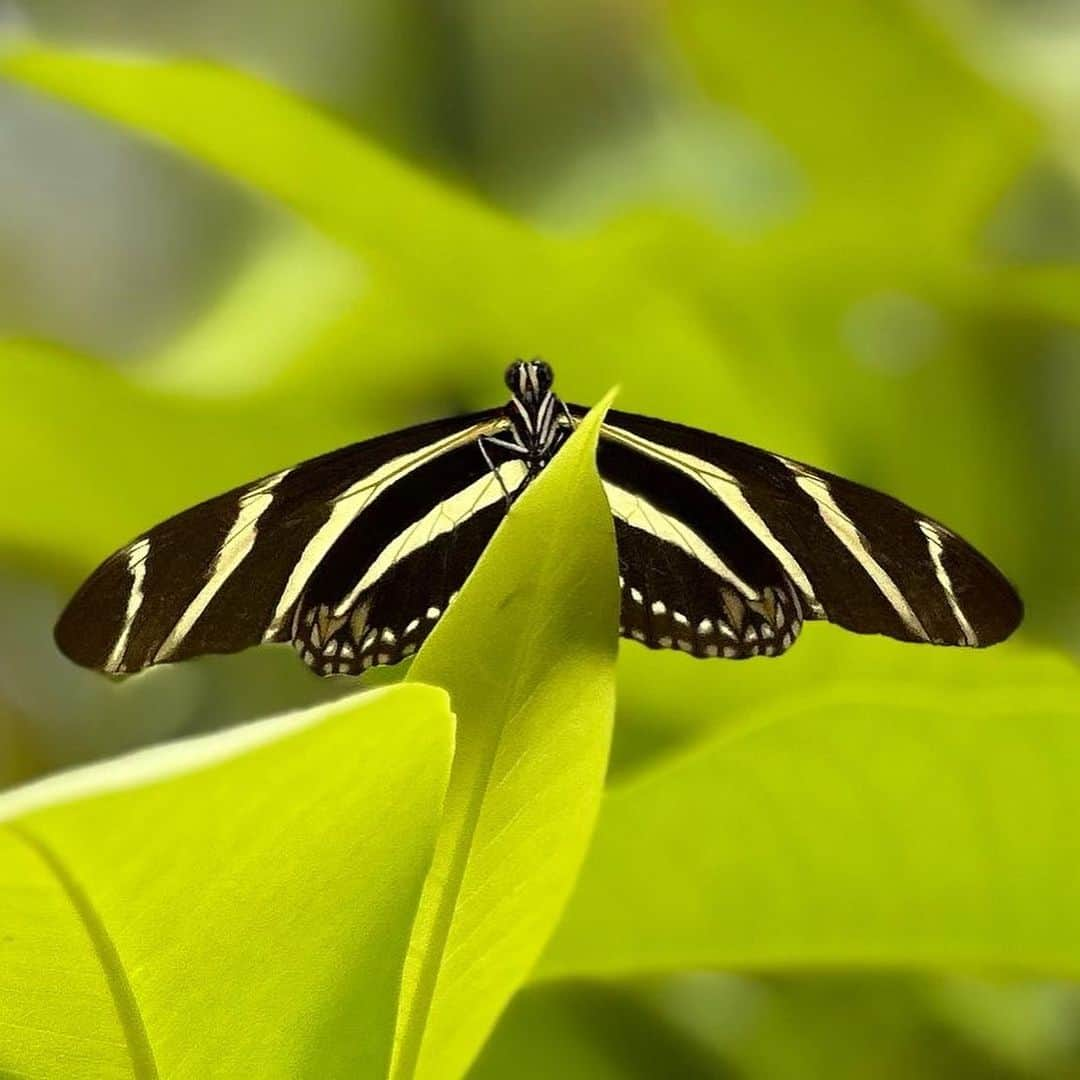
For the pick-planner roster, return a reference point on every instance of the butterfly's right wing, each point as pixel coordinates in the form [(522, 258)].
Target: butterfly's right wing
[(841, 551), (231, 572)]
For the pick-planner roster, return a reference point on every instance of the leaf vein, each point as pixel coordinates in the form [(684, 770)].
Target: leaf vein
[(143, 1065)]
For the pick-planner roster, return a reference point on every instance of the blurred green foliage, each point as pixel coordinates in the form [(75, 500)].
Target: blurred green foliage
[(849, 234)]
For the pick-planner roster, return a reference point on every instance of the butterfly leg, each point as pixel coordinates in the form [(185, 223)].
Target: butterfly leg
[(513, 447)]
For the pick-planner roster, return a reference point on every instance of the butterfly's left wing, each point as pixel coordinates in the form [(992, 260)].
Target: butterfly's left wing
[(847, 553), (234, 571)]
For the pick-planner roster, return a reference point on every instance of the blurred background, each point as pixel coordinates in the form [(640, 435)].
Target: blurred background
[(849, 232)]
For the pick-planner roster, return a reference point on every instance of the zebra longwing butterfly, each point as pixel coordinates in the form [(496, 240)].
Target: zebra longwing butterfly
[(724, 550)]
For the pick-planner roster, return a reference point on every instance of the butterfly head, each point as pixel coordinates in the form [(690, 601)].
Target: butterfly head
[(529, 380)]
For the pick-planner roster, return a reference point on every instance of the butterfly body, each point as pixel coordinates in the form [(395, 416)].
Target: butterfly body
[(725, 550)]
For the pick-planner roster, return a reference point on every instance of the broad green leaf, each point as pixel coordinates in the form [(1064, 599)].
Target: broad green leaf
[(891, 823), (527, 653), (234, 905), (668, 700)]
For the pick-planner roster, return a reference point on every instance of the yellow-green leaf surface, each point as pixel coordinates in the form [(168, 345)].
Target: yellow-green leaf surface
[(527, 653), (894, 822), (234, 905), (669, 701)]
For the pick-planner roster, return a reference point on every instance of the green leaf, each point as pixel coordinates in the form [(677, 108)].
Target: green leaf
[(527, 653), (668, 700), (882, 822), (234, 905)]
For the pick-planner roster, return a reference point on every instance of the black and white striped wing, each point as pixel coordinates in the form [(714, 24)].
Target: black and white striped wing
[(236, 570), (828, 548), (689, 580), (381, 589)]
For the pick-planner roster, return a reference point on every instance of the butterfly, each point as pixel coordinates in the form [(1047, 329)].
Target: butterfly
[(725, 550)]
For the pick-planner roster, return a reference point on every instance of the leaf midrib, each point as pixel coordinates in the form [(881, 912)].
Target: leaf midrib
[(136, 1037), (432, 964)]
